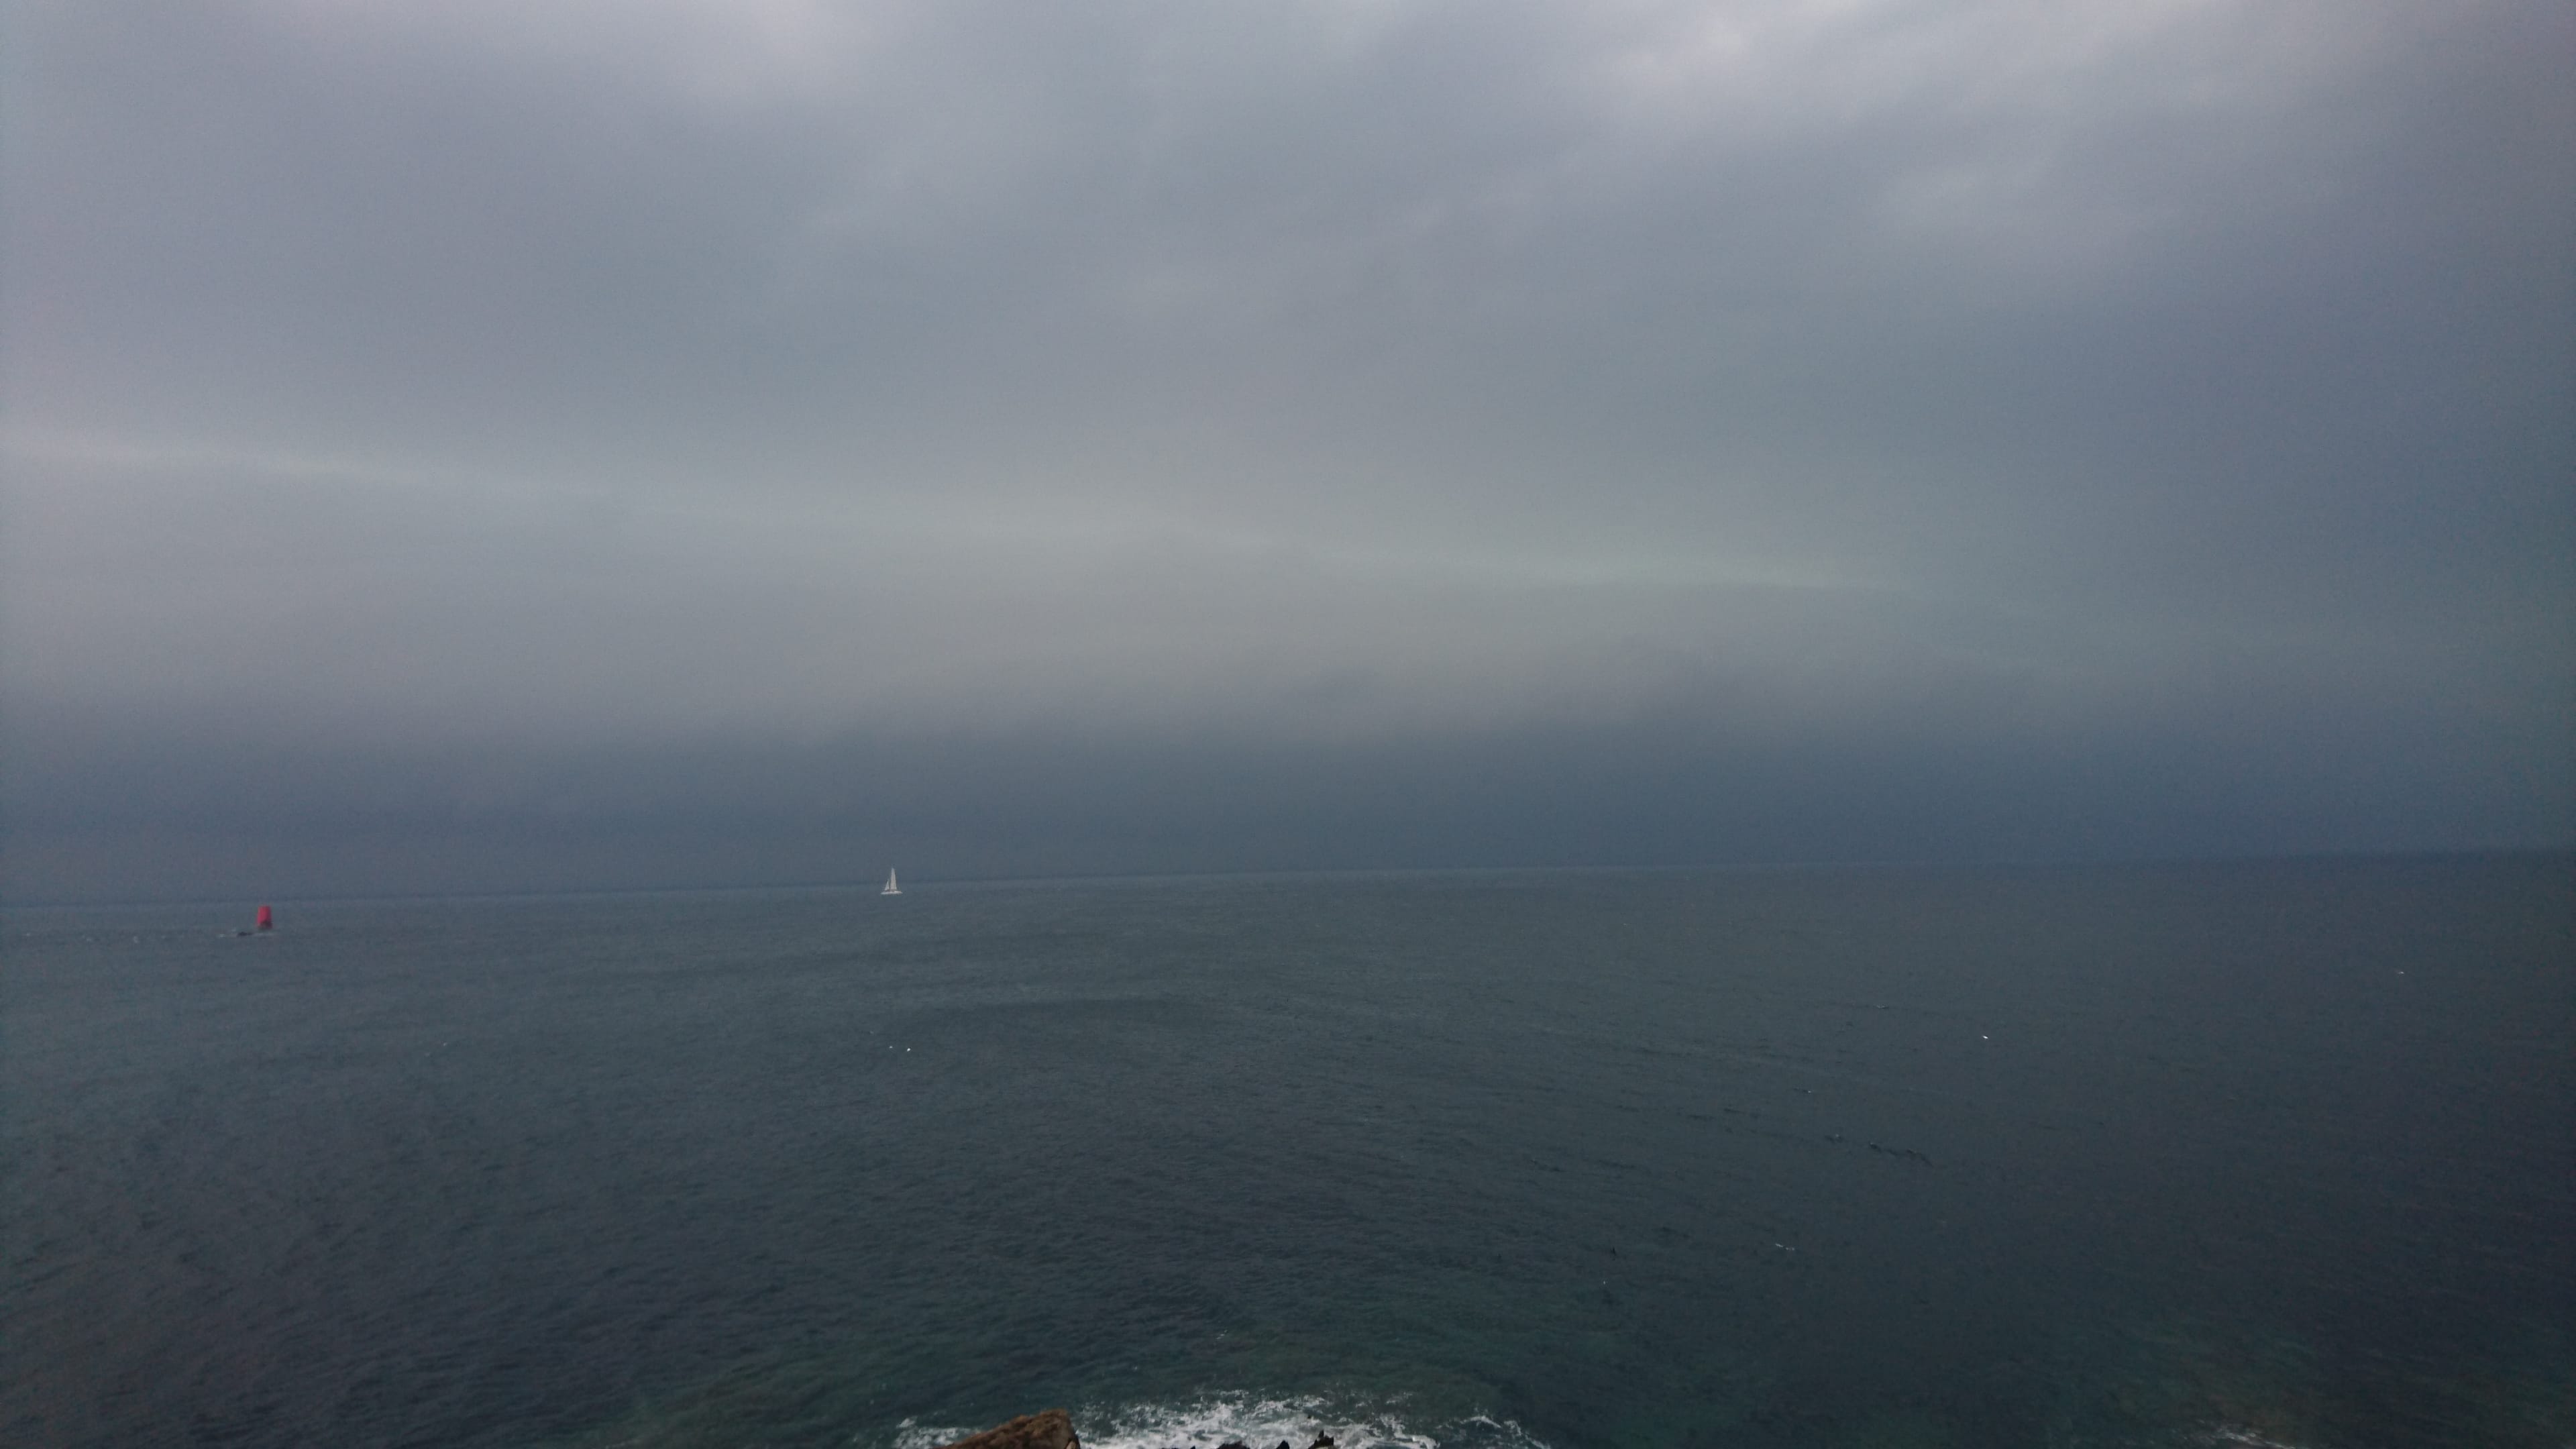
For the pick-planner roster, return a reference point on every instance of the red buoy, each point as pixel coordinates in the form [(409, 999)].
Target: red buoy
[(267, 922)]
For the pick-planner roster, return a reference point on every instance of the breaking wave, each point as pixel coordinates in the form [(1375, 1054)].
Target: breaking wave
[(2229, 1436), (1258, 1422)]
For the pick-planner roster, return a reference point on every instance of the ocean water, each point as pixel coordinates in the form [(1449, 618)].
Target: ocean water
[(2277, 1154)]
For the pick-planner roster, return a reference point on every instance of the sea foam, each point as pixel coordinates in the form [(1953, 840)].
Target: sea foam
[(1260, 1422)]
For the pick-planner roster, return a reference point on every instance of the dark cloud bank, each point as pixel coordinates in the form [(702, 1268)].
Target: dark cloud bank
[(472, 447)]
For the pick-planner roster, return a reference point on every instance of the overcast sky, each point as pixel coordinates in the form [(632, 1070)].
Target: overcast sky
[(497, 444)]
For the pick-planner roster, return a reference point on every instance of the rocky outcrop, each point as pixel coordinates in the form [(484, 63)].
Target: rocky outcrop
[(1050, 1429)]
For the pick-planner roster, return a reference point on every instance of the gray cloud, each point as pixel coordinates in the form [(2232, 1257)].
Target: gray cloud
[(2085, 410)]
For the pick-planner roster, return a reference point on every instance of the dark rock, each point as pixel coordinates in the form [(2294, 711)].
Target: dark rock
[(1322, 1441), (1052, 1429)]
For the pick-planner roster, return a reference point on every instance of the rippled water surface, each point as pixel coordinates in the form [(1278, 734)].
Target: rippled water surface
[(2142, 1156)]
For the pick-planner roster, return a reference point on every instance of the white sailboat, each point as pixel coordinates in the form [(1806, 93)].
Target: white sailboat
[(891, 889)]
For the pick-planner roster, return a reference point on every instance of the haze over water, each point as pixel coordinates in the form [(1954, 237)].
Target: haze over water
[(2106, 1156), (478, 445)]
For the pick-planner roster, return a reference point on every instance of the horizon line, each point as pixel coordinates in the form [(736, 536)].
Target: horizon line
[(870, 887)]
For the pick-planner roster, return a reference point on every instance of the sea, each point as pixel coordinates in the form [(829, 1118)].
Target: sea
[(2274, 1154)]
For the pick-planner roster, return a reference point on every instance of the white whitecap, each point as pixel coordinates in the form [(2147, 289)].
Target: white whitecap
[(912, 1435), (1266, 1422), (2231, 1436)]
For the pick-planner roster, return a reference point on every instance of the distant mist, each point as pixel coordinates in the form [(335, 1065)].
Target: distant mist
[(462, 446)]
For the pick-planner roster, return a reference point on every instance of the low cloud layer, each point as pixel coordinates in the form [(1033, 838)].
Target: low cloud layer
[(481, 446)]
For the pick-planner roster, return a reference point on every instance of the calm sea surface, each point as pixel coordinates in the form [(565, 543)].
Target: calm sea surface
[(2256, 1154)]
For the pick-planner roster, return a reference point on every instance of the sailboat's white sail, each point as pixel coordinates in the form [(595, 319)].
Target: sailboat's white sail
[(891, 889)]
